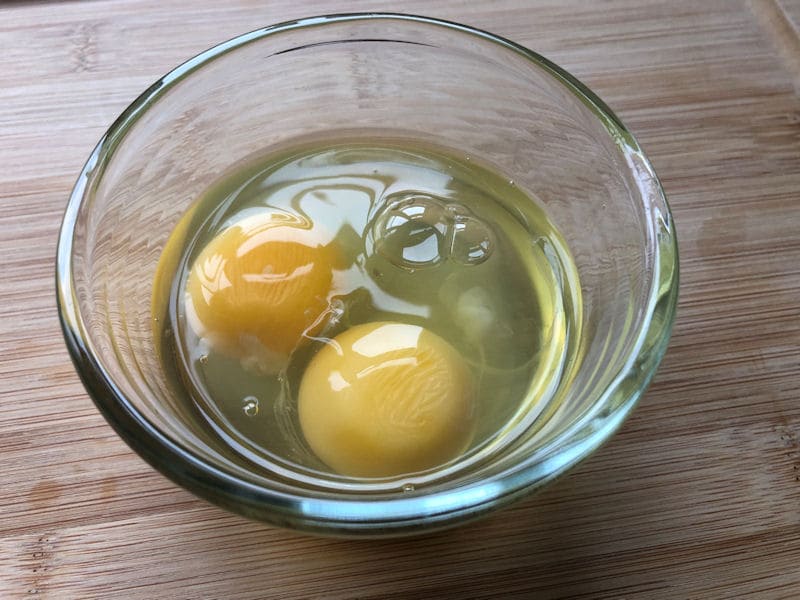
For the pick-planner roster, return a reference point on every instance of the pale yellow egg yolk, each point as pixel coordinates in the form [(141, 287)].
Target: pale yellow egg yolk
[(385, 399), (258, 287)]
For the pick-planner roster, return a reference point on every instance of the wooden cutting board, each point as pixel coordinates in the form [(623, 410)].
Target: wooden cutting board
[(698, 496)]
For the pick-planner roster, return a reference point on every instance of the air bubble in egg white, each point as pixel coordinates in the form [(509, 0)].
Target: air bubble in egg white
[(471, 242), (250, 406), (410, 231)]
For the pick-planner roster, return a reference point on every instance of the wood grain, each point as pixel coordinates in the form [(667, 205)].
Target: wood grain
[(779, 18), (698, 496), (791, 8)]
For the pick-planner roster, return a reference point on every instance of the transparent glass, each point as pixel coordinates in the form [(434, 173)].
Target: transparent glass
[(409, 77)]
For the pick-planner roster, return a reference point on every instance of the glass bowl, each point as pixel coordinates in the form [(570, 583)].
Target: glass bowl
[(417, 78)]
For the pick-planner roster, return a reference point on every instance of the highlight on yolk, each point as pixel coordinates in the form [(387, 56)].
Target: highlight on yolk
[(385, 399), (258, 286)]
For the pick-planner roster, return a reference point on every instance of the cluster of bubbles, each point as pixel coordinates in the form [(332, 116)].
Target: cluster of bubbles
[(415, 231)]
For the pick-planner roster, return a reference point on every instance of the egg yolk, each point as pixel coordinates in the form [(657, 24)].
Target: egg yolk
[(258, 287), (385, 399)]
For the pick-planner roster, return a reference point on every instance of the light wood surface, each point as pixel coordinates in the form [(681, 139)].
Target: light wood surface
[(698, 496)]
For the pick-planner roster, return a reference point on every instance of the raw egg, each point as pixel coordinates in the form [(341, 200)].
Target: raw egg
[(259, 286), (385, 399)]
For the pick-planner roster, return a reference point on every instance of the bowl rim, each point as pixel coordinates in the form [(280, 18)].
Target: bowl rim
[(358, 517)]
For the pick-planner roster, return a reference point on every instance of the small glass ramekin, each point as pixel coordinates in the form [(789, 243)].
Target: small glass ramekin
[(358, 75)]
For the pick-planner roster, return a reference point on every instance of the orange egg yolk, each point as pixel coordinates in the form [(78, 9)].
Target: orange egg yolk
[(385, 399), (258, 287)]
